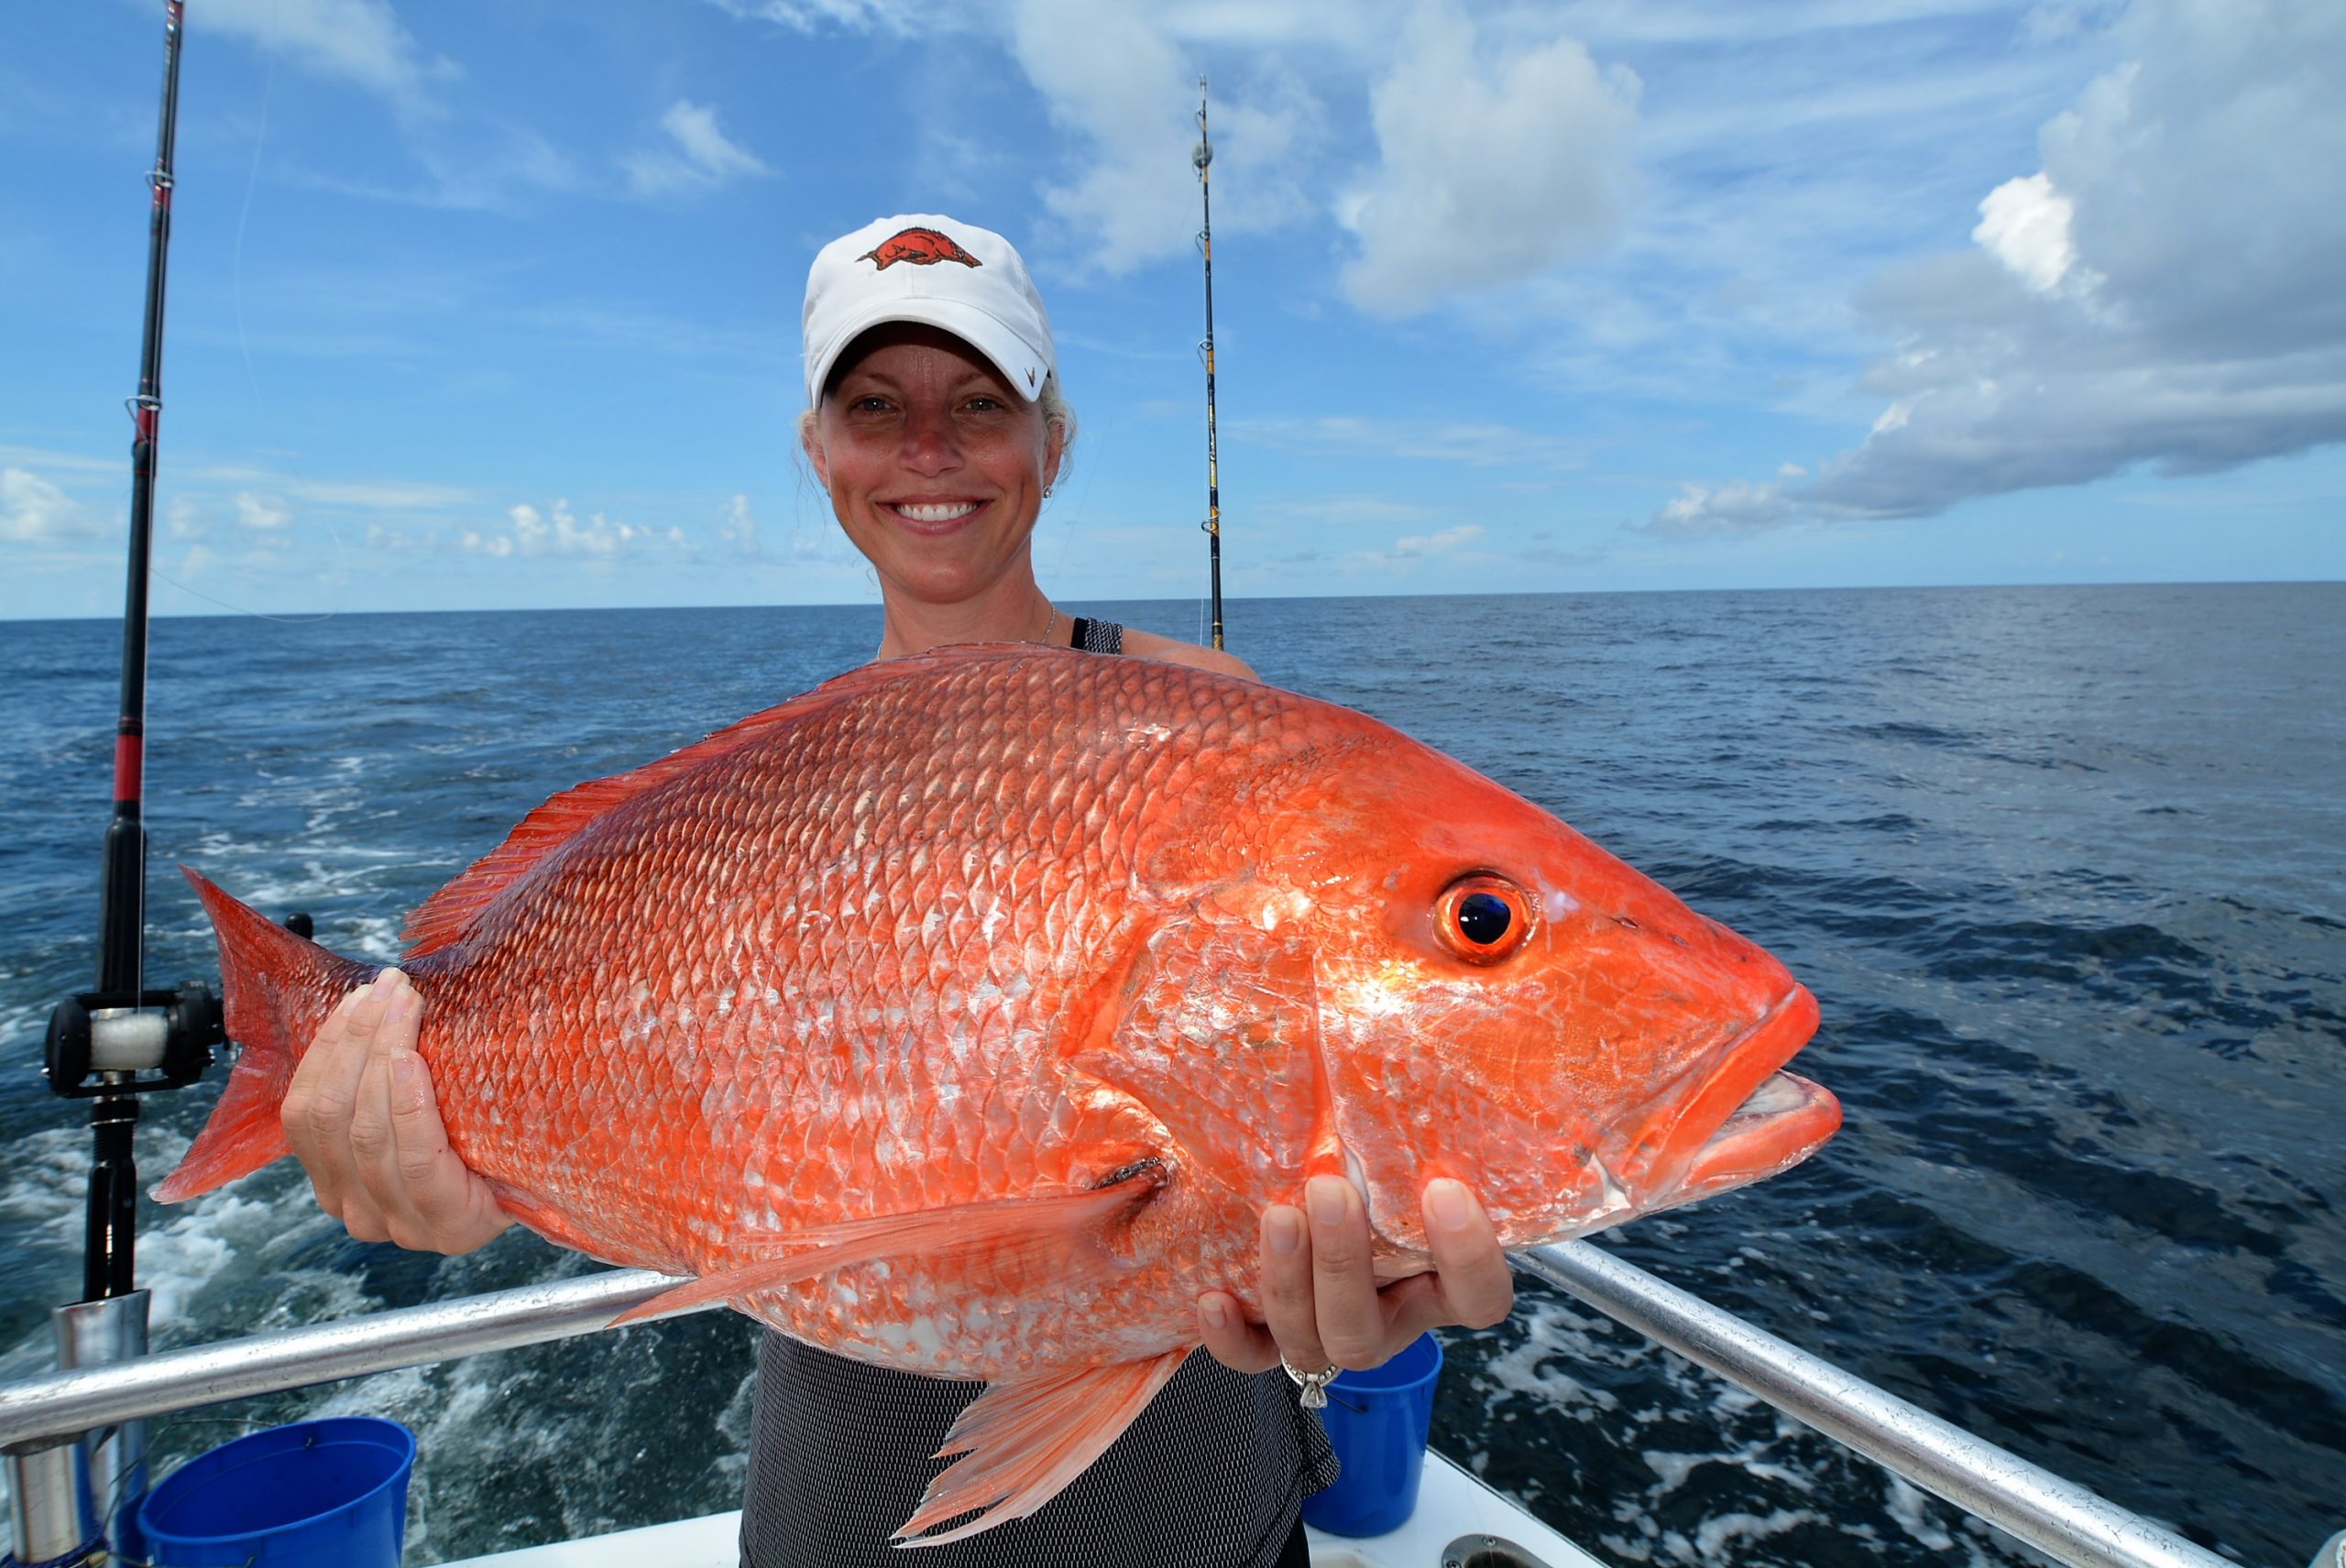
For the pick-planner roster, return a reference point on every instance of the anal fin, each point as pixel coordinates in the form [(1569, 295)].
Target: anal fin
[(1024, 1441)]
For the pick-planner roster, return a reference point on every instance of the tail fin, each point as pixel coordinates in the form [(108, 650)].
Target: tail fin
[(278, 988)]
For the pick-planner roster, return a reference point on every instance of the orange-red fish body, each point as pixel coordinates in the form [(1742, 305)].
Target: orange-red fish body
[(963, 1014)]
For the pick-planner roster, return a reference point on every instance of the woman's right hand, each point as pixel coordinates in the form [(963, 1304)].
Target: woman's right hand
[(362, 1120)]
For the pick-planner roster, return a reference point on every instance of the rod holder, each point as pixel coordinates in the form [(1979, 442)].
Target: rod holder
[(100, 1333), (49, 1514)]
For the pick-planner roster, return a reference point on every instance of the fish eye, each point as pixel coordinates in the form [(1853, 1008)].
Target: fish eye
[(1483, 918)]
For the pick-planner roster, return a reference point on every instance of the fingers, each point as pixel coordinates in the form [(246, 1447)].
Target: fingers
[(373, 1137), (1348, 1317), (1472, 1286), (361, 1118), (324, 1095), (1230, 1339), (1319, 1280), (1321, 1306), (1289, 1294), (1291, 1314), (1475, 1286), (453, 1209)]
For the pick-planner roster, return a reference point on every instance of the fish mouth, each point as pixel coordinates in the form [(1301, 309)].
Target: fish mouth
[(1752, 1119)]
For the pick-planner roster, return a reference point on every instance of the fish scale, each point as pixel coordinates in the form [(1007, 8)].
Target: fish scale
[(963, 1014)]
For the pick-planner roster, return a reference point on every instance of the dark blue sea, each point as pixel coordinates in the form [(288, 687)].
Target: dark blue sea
[(2065, 867)]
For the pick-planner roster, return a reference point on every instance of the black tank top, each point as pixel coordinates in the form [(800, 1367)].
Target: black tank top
[(1091, 636), (1212, 1475)]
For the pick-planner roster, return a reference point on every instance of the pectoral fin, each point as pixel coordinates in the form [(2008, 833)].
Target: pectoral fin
[(1024, 1441), (1053, 1233)]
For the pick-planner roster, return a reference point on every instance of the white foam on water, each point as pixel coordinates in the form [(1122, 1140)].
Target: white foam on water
[(1632, 1548), (1910, 1508), (733, 1423), (42, 1210), (24, 1021), (1713, 1536), (1552, 1333), (1774, 1475), (189, 1255)]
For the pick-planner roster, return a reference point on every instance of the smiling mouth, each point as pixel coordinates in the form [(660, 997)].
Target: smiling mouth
[(932, 512)]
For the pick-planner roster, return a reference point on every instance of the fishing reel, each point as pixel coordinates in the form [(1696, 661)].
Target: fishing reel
[(164, 1042), (168, 1035)]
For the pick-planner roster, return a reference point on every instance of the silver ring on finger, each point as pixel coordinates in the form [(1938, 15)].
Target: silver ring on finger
[(1314, 1384)]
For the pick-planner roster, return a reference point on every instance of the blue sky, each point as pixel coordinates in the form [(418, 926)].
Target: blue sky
[(496, 305)]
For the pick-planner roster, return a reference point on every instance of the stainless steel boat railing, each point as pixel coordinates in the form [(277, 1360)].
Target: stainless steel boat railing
[(2068, 1523)]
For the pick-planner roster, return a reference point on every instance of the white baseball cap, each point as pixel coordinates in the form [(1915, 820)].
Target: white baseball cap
[(920, 266)]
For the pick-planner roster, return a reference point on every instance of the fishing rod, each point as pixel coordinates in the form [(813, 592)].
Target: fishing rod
[(120, 1040), (1201, 157)]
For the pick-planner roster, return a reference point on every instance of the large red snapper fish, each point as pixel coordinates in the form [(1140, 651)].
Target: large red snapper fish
[(963, 1014)]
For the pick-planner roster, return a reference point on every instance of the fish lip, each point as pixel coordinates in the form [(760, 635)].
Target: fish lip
[(1773, 1141), (1704, 1155)]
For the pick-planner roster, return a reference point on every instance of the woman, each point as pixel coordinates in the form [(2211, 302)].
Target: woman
[(935, 423)]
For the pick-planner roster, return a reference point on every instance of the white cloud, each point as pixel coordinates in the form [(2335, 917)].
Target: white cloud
[(1126, 89), (383, 495), (1417, 549), (2025, 224), (34, 511), (265, 514), (1477, 445), (806, 15), (2163, 291), (700, 156), (1355, 509), (1726, 509), (1494, 170), (1499, 158), (1441, 543), (558, 532), (382, 536), (66, 461), (738, 526), (361, 42)]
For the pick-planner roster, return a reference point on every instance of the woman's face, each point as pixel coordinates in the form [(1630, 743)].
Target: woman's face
[(935, 466)]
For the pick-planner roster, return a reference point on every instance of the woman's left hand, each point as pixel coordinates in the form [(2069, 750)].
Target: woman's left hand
[(1321, 1303)]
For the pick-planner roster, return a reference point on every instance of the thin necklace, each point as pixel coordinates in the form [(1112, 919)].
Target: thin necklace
[(1049, 621)]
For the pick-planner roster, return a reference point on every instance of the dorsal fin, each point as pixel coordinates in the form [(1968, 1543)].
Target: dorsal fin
[(445, 915)]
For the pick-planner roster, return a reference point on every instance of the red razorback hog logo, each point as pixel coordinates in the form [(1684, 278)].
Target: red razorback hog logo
[(923, 248)]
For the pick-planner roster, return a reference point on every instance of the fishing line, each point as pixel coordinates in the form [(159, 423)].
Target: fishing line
[(247, 610), (236, 267), (245, 350)]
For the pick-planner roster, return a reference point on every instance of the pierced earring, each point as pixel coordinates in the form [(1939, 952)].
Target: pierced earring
[(1046, 492)]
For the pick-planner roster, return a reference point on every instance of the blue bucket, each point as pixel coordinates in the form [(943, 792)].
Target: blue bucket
[(324, 1494), (1377, 1420)]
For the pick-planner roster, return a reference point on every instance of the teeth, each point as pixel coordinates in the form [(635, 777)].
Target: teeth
[(941, 511)]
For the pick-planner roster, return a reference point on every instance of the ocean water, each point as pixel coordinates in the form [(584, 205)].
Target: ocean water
[(2065, 868)]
